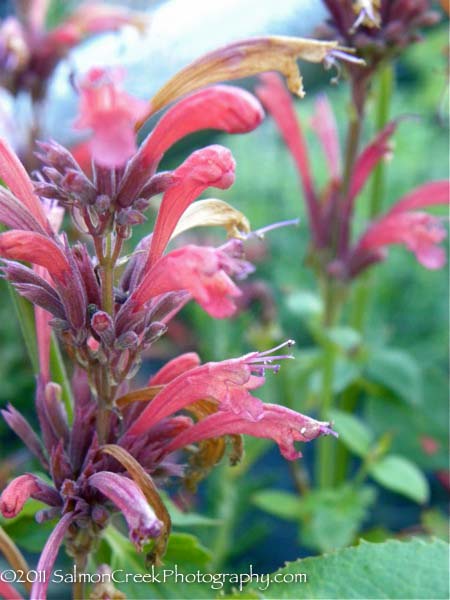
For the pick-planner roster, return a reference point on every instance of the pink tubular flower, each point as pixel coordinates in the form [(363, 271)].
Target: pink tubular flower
[(213, 166), (16, 178), (202, 271), (403, 224), (176, 366), (48, 557), (37, 249), (278, 423), (7, 591), (226, 108), (331, 217), (111, 114), (20, 490), (129, 499), (228, 383)]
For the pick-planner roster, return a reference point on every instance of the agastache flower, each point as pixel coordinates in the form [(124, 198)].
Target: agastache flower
[(111, 114), (235, 410), (120, 446), (29, 52), (331, 211)]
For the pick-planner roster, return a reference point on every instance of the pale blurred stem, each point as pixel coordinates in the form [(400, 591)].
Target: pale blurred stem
[(325, 445), (228, 506), (78, 585), (14, 556), (383, 85)]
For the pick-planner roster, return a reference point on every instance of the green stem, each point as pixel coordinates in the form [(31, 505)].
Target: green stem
[(59, 375), (363, 288), (227, 516), (384, 84), (325, 445)]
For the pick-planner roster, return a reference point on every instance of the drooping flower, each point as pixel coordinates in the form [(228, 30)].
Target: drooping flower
[(331, 211)]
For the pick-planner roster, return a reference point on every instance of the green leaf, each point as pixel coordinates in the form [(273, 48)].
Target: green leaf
[(185, 549), (331, 518), (345, 373), (402, 476), (305, 304), (436, 523), (25, 315), (397, 371), (417, 568), (345, 338), (280, 504), (352, 432)]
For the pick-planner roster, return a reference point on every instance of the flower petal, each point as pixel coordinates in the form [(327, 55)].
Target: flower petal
[(48, 557), (202, 271), (111, 114), (429, 194), (37, 249), (278, 101), (419, 232), (368, 160), (13, 173), (324, 124), (216, 213), (20, 489), (278, 423), (129, 499), (243, 59), (212, 166), (226, 108), (173, 368)]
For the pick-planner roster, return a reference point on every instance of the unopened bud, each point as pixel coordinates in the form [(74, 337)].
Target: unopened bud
[(102, 203), (127, 340), (101, 322)]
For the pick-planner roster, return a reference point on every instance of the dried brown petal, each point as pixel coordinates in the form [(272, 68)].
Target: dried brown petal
[(150, 491), (243, 59)]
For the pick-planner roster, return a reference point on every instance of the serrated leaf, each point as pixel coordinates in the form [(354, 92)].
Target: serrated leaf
[(280, 504), (398, 371), (400, 475), (352, 432), (393, 570)]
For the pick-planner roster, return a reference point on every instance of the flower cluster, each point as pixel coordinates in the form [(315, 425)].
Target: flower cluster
[(106, 309), (334, 252), (29, 51)]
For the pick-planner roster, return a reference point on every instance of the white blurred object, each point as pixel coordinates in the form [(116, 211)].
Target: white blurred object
[(179, 32)]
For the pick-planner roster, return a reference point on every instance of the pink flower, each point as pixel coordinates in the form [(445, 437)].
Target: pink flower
[(202, 271), (213, 166), (226, 108), (111, 114), (331, 211), (129, 499), (419, 232), (228, 384), (21, 489)]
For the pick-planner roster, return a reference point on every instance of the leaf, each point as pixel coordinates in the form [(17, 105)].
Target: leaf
[(345, 338), (345, 373), (356, 436), (185, 549), (305, 304), (436, 523), (331, 518), (280, 504), (402, 476), (417, 568), (398, 371)]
